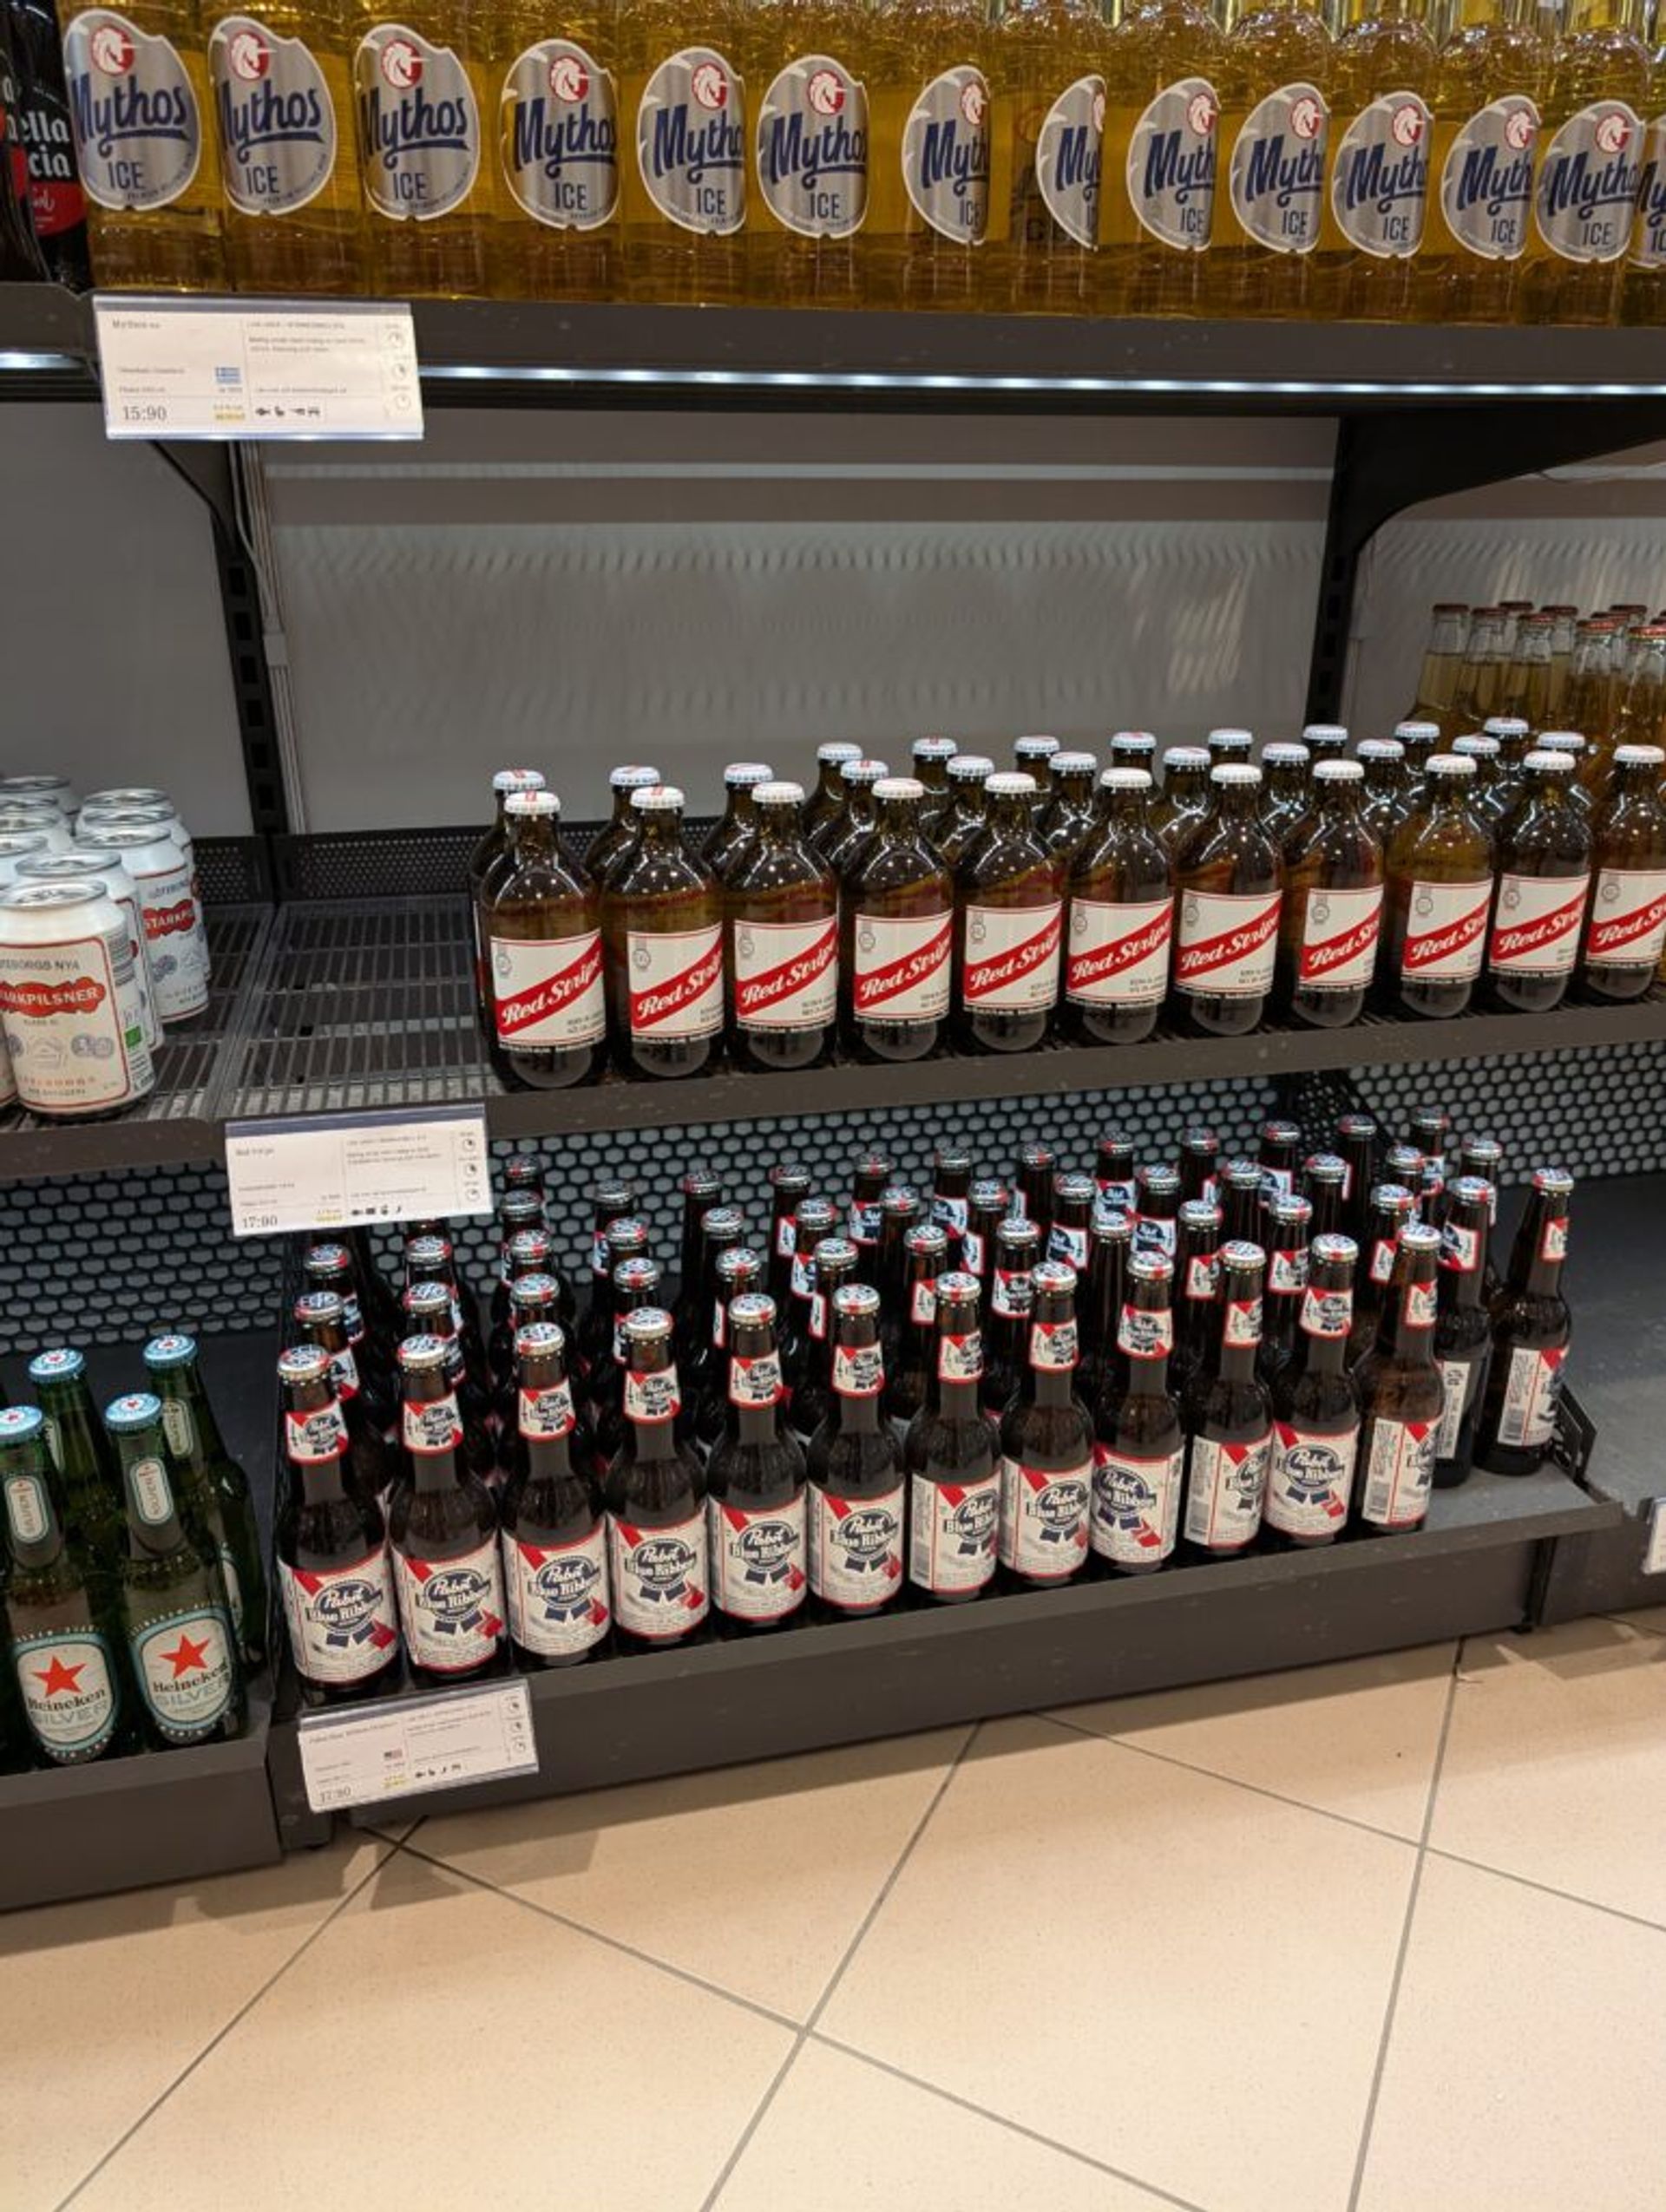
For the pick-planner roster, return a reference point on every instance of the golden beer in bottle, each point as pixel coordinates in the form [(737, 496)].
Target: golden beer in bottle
[(1589, 168), (1162, 159), (933, 209), (421, 97), (1489, 84), (1383, 74), (683, 175), (554, 119), (1048, 74), (1275, 120)]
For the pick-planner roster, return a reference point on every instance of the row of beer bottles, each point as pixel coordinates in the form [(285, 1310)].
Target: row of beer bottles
[(968, 158), (1598, 673)]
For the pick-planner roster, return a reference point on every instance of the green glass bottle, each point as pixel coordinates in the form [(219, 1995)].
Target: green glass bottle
[(82, 1460), (210, 1485), (175, 1614), (61, 1651)]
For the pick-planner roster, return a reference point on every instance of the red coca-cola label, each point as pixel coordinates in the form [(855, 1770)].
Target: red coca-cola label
[(1225, 943), (1628, 918), (1446, 930), (676, 982), (548, 991), (786, 973), (1119, 954), (1339, 938), (1010, 960), (80, 994), (902, 967), (170, 921), (1535, 928)]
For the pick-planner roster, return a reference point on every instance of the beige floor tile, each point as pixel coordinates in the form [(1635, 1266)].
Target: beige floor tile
[(1653, 1617), (1141, 1961), (1358, 1737), (757, 1878), (1527, 2070), (442, 2045), (910, 2148), (104, 2002), (1556, 1762)]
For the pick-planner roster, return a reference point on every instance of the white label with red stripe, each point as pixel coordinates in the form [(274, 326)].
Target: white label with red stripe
[(757, 1559), (960, 1359), (1226, 943), (1628, 918), (341, 1620), (786, 973), (901, 967), (1010, 958), (1327, 1312), (1044, 1515), (1553, 1245), (652, 1397), (1241, 1323), (547, 991), (1136, 1505), (1399, 1469), (858, 1370), (548, 1412), (1445, 932), (676, 982), (1054, 1348), (452, 1610), (432, 1426), (661, 1587), (1535, 923), (951, 1532), (1339, 939), (856, 1548), (174, 940), (922, 1303), (1458, 1380), (1309, 1479), (755, 1383), (1119, 955), (1142, 1334), (311, 1438), (1532, 1388), (557, 1593), (1225, 1492)]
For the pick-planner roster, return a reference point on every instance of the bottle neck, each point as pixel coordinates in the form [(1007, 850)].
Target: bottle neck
[(195, 1441), (1238, 1340), (858, 1367), (532, 842), (432, 1428), (153, 1527), (320, 1479), (1541, 1246), (33, 1521), (1144, 1336)]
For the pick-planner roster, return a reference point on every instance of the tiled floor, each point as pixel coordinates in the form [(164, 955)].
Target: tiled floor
[(1390, 1936)]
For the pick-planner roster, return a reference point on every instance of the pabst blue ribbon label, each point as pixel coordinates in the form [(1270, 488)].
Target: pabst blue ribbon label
[(277, 120), (812, 148), (1119, 955), (419, 125), (858, 1370), (856, 1548), (186, 1670), (922, 1304), (1380, 178), (1053, 1346), (691, 132), (558, 132), (902, 972), (1553, 1245), (1649, 243), (1327, 1312), (431, 1427), (341, 1620), (951, 1528), (652, 1397), (1277, 176), (68, 1682), (1068, 159), (1399, 1470), (311, 1438), (960, 1359), (73, 1034), (452, 1610), (1382, 1259), (1461, 1248), (557, 1593), (138, 127), (786, 974), (1227, 942), (1486, 185), (1225, 1492), (1535, 923), (676, 982), (1339, 939), (1068, 1242), (1587, 183), (1010, 958), (1445, 932), (1459, 1378), (1173, 155), (946, 154), (1011, 1293), (1135, 1513), (756, 1382), (1287, 1271), (661, 1587), (950, 1214), (1532, 1390), (1628, 918), (1419, 1310), (1044, 1517), (547, 991), (757, 1558), (1242, 1321), (1142, 1334), (1203, 1277), (1309, 1480), (546, 1413)]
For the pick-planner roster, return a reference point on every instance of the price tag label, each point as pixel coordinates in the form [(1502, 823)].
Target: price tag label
[(407, 1749), (1654, 1554), (339, 1170), (266, 368)]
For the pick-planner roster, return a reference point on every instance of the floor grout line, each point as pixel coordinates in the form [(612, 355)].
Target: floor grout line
[(752, 2125), (216, 2039), (1390, 2010), (1154, 2189), (1547, 1889), (1624, 1620)]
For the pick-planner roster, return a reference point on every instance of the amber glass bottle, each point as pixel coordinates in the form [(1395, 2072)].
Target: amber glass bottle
[(1230, 884), (1333, 904), (1544, 886), (543, 954), (782, 940), (1121, 921), (662, 932), (1008, 925), (1626, 930), (1440, 890), (896, 928)]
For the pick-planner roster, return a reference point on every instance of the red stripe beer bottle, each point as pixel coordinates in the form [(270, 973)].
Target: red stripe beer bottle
[(1333, 904), (1626, 929), (1121, 921), (662, 930), (1008, 921), (782, 934), (541, 926), (1229, 887), (897, 927), (1544, 886), (1440, 890)]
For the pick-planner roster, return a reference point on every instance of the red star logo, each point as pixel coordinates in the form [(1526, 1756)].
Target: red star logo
[(187, 1656), (59, 1677)]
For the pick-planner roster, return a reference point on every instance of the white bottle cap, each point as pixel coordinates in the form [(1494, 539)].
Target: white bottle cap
[(1073, 764), (516, 779), (1324, 733), (1339, 772), (1477, 745), (836, 754), (1236, 774), (1638, 756), (1449, 764), (1382, 748), (527, 806), (934, 749), (1125, 779), (775, 794), (1284, 756), (632, 777), (1549, 764), (1011, 783), (657, 798), (1562, 741), (741, 776), (1185, 757), (861, 771), (1231, 737), (899, 787), (1418, 733), (971, 768)]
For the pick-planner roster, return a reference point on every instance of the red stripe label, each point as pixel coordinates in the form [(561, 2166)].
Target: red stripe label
[(875, 987), (1447, 943), (543, 1001)]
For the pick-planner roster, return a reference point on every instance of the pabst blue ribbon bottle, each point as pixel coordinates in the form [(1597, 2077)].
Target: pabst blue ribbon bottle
[(1046, 1444), (737, 1271), (1462, 1334), (925, 1253), (702, 1192), (872, 1172), (662, 934), (1391, 1207), (1333, 904), (1113, 1172), (1228, 1417), (610, 1201), (1098, 1305), (1439, 893), (755, 1483), (1200, 1159), (953, 1457), (683, 115), (636, 1285), (1032, 1185), (556, 236), (533, 1299), (1626, 929), (1228, 891), (899, 1211), (544, 955), (1121, 924), (1139, 1451), (789, 1188), (856, 1496), (1240, 1184), (1532, 1327), (783, 935), (421, 94), (1009, 927), (655, 1495), (1315, 1407), (897, 931), (1400, 1393), (818, 1218), (1017, 1251), (1287, 1220), (1544, 887), (442, 1526), (835, 1266), (951, 1194), (428, 1313), (555, 1535)]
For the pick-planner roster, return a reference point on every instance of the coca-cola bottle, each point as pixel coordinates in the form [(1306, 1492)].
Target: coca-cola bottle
[(487, 857), (834, 1263), (1068, 814), (857, 1488), (826, 800), (555, 1535), (1532, 1327), (1228, 1417), (1046, 1444), (1139, 1451), (1387, 798), (755, 1483), (725, 843), (1111, 1243), (737, 1271), (1196, 1289), (842, 842), (1286, 788), (930, 757), (783, 930), (897, 928), (789, 1188), (1392, 1207), (1544, 886), (541, 922), (962, 821), (620, 833), (1627, 928), (1008, 910), (951, 1187), (952, 1454), (662, 933), (655, 1496), (870, 1175), (1400, 1393), (443, 1527), (1121, 921), (1315, 1407), (1017, 1250), (1229, 890), (1185, 797), (1332, 905), (925, 1253), (1438, 891), (1462, 1329)]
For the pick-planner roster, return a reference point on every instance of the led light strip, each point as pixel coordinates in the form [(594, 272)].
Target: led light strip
[(23, 364)]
